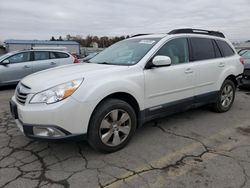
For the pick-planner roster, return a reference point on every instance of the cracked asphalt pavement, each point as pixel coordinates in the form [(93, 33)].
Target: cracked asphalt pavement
[(197, 148)]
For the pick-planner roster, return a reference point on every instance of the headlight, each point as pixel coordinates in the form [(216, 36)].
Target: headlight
[(56, 93)]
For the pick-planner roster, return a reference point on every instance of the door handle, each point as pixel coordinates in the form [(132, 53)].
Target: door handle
[(222, 65), (189, 71), (26, 66), (53, 63)]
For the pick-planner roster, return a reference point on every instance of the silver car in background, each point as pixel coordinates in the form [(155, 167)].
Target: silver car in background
[(16, 65)]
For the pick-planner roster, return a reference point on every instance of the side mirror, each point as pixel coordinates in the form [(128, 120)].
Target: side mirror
[(160, 61), (5, 62)]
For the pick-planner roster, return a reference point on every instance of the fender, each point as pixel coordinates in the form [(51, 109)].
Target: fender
[(230, 69), (96, 89)]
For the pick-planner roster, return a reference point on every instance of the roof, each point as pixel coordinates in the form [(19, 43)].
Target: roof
[(47, 42), (145, 36)]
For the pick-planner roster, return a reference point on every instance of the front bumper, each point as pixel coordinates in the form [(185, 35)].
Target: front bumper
[(27, 130), (66, 118)]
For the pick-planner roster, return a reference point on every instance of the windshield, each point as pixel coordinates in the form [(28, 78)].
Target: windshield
[(246, 54), (126, 52), (6, 55)]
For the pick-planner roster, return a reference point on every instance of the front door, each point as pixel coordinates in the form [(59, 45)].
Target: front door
[(19, 66), (172, 87)]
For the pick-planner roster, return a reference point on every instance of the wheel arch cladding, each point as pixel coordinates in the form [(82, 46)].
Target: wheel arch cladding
[(233, 79), (124, 97)]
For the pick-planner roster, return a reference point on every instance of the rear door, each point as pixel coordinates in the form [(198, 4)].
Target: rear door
[(43, 61), (209, 63), (55, 60), (20, 66), (64, 58)]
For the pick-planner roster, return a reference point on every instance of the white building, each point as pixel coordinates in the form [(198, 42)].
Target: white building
[(242, 45), (14, 45)]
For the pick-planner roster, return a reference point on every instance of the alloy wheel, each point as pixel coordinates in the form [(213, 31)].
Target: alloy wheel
[(227, 96), (115, 127)]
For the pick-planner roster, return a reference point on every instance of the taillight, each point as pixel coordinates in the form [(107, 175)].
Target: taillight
[(242, 60), (75, 59)]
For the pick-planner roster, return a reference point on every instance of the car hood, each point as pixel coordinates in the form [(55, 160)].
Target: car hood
[(49, 78)]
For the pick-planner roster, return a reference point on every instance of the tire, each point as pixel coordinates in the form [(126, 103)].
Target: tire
[(225, 97), (112, 126)]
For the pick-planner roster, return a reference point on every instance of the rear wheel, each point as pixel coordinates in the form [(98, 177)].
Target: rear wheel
[(112, 125), (225, 97)]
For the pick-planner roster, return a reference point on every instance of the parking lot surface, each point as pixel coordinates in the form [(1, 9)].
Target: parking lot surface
[(198, 148)]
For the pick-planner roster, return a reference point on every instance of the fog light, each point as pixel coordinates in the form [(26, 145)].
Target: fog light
[(47, 132)]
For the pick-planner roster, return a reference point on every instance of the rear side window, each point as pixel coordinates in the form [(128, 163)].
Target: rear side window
[(217, 50), (225, 48), (52, 55), (41, 56), (202, 49), (61, 55)]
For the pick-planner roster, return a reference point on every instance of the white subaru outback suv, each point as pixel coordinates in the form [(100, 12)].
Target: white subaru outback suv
[(132, 82)]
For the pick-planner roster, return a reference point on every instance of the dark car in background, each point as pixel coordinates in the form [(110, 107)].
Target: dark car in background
[(90, 56), (245, 53)]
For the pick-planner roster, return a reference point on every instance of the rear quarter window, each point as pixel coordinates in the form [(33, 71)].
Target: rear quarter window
[(225, 48), (202, 49), (61, 55)]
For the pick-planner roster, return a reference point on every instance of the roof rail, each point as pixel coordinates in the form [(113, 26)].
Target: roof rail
[(137, 35), (197, 31)]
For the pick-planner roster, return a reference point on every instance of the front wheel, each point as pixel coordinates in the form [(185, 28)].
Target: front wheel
[(112, 125), (225, 97)]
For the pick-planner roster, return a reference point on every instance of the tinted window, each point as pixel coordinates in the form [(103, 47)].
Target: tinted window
[(41, 55), (225, 48), (19, 58), (61, 55), (177, 50), (217, 50), (202, 49)]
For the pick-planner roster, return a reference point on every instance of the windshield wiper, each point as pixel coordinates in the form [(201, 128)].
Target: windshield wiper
[(105, 63)]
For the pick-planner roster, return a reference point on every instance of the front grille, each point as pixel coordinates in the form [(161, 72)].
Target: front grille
[(247, 72), (22, 92)]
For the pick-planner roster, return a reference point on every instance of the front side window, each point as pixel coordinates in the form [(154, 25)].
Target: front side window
[(225, 48), (19, 58), (202, 49), (177, 50), (126, 52), (41, 56)]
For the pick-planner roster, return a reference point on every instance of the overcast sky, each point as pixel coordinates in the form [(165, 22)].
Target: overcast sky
[(41, 19)]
